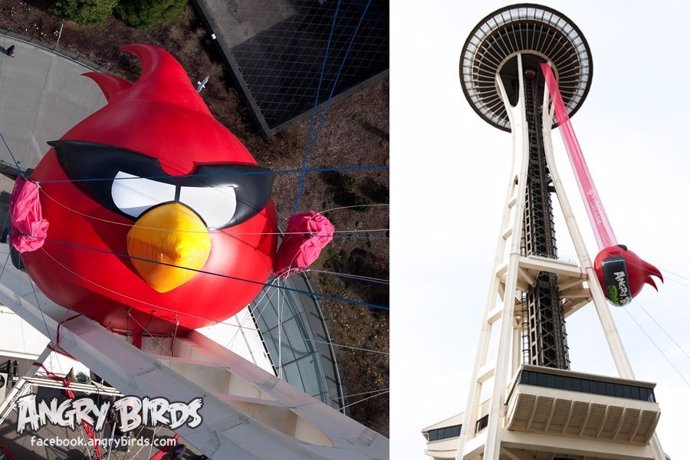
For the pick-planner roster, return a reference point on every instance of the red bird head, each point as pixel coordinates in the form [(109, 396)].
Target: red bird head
[(158, 215), (622, 273)]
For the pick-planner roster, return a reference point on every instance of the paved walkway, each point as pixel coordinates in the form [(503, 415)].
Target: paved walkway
[(42, 95)]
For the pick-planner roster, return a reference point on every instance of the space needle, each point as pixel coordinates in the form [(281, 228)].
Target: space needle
[(525, 402)]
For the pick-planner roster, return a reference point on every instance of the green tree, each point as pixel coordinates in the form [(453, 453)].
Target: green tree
[(84, 12), (148, 13)]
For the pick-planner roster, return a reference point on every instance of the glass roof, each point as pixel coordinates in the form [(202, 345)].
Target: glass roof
[(304, 357), (276, 49)]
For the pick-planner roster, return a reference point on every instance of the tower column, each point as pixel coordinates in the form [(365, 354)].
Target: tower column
[(521, 143), (507, 246), (613, 339)]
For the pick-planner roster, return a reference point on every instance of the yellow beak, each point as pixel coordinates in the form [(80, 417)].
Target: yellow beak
[(167, 245)]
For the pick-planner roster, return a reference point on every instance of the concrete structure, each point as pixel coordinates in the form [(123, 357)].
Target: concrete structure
[(524, 401), (246, 411)]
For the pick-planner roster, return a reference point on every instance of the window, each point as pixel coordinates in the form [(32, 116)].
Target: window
[(482, 423), (443, 433), (563, 382)]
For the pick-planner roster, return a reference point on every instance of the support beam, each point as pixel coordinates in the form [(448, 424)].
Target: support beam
[(244, 429)]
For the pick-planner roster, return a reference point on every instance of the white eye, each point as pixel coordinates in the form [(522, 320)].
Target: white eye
[(216, 205), (134, 195)]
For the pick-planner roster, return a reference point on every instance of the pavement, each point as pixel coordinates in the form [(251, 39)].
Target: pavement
[(42, 95)]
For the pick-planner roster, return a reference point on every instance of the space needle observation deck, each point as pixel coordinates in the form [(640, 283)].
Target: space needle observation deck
[(539, 34)]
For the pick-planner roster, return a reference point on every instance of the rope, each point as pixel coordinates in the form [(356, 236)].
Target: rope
[(206, 272), (174, 336), (16, 163), (364, 393), (381, 393), (354, 206), (657, 347), (38, 303), (59, 326), (280, 328), (158, 307), (327, 105), (336, 233), (369, 279), (245, 173), (349, 347), (40, 308), (307, 144), (148, 333), (678, 275), (662, 329), (241, 327)]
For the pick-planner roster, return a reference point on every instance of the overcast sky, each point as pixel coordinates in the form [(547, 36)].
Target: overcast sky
[(450, 170)]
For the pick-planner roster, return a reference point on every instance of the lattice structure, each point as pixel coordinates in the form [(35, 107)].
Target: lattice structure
[(544, 334), (295, 335)]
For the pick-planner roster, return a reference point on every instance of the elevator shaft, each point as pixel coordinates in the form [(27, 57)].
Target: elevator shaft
[(543, 322)]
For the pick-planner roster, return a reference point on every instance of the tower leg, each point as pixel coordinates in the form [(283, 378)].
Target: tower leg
[(512, 224)]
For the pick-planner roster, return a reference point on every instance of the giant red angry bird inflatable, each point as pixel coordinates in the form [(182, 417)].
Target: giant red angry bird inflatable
[(158, 216), (622, 274)]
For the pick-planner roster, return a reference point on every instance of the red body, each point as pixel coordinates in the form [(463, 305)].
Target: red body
[(639, 271), (83, 264)]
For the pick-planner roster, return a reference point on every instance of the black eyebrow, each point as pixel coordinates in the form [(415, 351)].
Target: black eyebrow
[(93, 168)]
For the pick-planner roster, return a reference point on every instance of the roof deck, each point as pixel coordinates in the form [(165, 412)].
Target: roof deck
[(557, 412)]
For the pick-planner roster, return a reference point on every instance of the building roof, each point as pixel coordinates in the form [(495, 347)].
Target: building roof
[(277, 49), (297, 339)]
